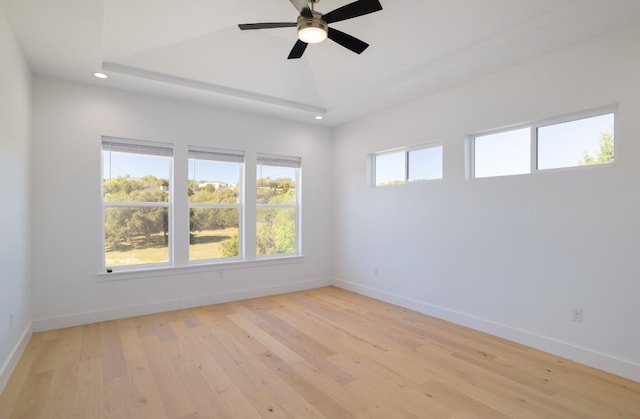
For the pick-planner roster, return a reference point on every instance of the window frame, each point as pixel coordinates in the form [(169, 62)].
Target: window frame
[(164, 149), (534, 141), (178, 227), (510, 128), (224, 155), (406, 152), (281, 161), (575, 117)]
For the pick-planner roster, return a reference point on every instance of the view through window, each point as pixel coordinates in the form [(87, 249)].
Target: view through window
[(424, 164), (571, 142), (135, 189), (214, 203), (582, 142), (277, 202), (503, 153), (140, 224), (410, 165)]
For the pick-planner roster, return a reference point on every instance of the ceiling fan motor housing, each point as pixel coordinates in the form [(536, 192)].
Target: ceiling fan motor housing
[(312, 30)]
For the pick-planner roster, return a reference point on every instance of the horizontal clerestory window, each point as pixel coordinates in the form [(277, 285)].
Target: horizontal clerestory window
[(408, 165), (573, 141)]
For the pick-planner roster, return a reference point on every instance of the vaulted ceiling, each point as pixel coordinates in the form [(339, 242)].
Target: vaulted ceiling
[(194, 50)]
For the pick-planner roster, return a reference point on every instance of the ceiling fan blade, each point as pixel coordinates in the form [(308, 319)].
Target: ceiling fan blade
[(347, 41), (351, 10), (302, 6), (271, 25), (297, 50)]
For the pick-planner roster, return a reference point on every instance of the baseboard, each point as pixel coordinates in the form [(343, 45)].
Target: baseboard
[(585, 356), (14, 356), (79, 319)]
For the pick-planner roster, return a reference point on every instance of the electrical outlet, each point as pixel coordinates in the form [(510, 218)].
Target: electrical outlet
[(576, 315), (11, 320)]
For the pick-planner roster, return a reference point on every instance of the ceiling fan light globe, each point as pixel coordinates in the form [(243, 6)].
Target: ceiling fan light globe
[(312, 35), (312, 30)]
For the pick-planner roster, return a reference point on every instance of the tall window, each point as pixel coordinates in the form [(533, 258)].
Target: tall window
[(278, 205), (136, 191), (214, 203), (410, 165), (579, 140)]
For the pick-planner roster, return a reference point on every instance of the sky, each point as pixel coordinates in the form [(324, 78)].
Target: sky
[(115, 164), (503, 153), (425, 163), (562, 145), (214, 171)]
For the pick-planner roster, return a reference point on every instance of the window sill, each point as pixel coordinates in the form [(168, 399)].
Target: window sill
[(154, 272)]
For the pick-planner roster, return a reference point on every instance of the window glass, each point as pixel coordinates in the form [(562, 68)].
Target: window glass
[(276, 231), (276, 185), (135, 190), (135, 177), (575, 143), (213, 182), (277, 203), (213, 233), (425, 164), (503, 153), (214, 204), (136, 236), (390, 168)]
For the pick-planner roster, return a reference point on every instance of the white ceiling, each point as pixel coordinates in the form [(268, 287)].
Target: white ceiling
[(193, 49)]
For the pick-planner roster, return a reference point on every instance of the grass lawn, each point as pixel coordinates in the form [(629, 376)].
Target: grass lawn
[(205, 245)]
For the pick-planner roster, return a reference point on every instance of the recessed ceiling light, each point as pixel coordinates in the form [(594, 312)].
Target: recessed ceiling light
[(101, 75), (319, 117)]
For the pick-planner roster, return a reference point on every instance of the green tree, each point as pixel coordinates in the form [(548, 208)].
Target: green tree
[(276, 231), (284, 231), (124, 224), (605, 151), (231, 247), (269, 189), (276, 227), (201, 219)]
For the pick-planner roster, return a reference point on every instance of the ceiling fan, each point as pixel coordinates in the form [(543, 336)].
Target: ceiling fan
[(313, 27)]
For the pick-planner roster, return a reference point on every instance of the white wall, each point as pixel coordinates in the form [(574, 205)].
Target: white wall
[(509, 255), (15, 120), (69, 120)]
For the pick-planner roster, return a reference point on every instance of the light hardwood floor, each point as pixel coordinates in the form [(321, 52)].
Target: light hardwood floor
[(324, 353)]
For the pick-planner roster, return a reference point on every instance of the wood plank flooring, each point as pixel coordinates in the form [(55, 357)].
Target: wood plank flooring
[(324, 353)]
